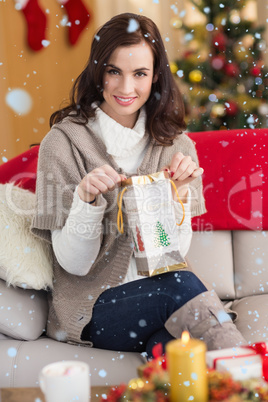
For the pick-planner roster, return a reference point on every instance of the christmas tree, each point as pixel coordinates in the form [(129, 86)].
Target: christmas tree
[(161, 237), (222, 72)]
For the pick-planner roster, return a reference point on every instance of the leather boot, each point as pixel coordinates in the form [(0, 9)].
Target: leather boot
[(204, 317)]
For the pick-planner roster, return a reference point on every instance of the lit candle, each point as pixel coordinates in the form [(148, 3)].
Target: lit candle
[(186, 363)]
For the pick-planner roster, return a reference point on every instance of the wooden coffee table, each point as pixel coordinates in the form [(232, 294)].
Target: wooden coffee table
[(32, 394)]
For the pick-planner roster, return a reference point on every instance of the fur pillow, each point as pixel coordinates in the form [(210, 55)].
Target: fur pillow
[(25, 260)]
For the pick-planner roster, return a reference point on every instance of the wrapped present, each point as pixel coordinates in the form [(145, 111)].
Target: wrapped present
[(149, 207), (241, 362)]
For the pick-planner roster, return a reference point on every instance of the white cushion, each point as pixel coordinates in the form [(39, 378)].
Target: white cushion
[(25, 260), (211, 258), (23, 312), (250, 262)]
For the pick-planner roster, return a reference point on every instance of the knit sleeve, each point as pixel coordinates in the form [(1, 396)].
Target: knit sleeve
[(197, 198), (57, 177)]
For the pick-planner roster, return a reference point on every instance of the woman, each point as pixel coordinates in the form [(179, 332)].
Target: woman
[(125, 118)]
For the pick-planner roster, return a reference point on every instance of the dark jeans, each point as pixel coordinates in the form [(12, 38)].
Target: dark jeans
[(131, 317)]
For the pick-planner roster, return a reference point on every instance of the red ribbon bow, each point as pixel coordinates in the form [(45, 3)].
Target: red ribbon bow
[(261, 349)]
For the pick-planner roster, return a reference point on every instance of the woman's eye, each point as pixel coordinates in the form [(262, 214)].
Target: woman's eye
[(141, 74), (113, 72)]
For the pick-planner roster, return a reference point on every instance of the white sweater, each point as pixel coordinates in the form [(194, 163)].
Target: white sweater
[(77, 250)]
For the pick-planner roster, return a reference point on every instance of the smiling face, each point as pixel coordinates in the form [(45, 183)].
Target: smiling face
[(127, 82)]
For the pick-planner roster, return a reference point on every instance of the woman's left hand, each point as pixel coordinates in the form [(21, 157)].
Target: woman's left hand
[(183, 170)]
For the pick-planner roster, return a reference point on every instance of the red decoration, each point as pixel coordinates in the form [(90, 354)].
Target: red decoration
[(231, 108), (218, 62), (188, 54), (219, 41), (158, 355), (231, 69), (36, 22), (78, 17), (255, 71), (139, 240)]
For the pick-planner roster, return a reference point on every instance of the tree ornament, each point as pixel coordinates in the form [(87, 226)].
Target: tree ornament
[(78, 18), (235, 17), (231, 108), (248, 40), (173, 67), (36, 22), (218, 62), (220, 41), (187, 54), (218, 110), (161, 237), (231, 69), (176, 23), (255, 71), (241, 88), (263, 109), (195, 76)]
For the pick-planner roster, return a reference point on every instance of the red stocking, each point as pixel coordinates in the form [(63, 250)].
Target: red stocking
[(78, 17), (36, 22)]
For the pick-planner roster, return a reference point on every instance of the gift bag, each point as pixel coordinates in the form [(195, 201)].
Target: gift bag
[(150, 212)]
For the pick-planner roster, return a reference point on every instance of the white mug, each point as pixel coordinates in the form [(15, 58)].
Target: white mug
[(65, 381)]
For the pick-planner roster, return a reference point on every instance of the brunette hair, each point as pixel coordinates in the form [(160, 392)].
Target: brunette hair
[(164, 108)]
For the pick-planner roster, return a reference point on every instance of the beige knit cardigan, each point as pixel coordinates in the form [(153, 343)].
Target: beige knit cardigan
[(67, 153)]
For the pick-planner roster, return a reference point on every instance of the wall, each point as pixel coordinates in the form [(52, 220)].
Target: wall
[(46, 75), (160, 11)]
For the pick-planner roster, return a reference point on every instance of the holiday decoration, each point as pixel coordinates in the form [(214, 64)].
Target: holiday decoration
[(36, 23), (161, 238), (222, 72), (153, 385), (195, 76), (149, 207), (78, 18)]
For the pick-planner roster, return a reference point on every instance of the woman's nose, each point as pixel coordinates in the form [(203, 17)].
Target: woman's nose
[(126, 85)]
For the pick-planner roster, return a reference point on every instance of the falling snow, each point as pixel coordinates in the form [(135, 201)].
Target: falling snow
[(132, 26)]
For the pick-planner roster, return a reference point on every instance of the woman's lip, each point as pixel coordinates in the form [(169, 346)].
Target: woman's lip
[(125, 101)]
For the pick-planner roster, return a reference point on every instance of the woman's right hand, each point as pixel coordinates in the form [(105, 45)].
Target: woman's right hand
[(99, 181)]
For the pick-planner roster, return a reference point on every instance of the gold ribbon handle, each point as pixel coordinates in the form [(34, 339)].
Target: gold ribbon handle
[(180, 201), (120, 223)]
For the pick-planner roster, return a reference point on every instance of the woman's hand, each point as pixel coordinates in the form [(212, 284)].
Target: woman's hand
[(99, 181), (183, 170)]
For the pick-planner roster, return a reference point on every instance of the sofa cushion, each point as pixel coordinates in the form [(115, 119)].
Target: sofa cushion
[(234, 187), (23, 312), (210, 256), (21, 362), (252, 318), (25, 260), (21, 170), (250, 262)]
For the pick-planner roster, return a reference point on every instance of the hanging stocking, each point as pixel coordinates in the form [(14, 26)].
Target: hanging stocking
[(78, 17), (36, 22)]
